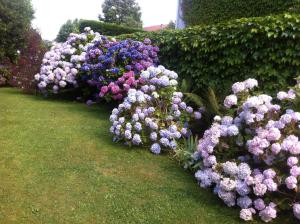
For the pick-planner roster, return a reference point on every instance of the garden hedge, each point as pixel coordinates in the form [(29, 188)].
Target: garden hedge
[(211, 11), (265, 48), (106, 28)]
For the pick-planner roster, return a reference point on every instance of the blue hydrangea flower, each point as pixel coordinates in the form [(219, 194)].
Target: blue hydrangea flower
[(136, 140), (155, 148)]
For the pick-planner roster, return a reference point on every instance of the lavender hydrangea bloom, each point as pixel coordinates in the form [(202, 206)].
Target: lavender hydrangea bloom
[(246, 214), (230, 101), (291, 182), (296, 210), (128, 134), (153, 136), (136, 140), (244, 171), (292, 160), (230, 168), (259, 204), (260, 189), (244, 202), (228, 197), (155, 148), (268, 214)]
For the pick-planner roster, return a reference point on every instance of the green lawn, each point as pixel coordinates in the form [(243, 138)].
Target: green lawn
[(58, 164)]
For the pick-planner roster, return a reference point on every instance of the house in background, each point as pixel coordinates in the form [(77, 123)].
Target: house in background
[(156, 28), (179, 20)]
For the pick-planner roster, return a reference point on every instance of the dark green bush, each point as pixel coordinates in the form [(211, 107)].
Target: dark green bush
[(108, 29), (4, 76), (265, 48), (211, 11), (15, 20)]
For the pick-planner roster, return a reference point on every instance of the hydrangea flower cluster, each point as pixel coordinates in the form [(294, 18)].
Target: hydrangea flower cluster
[(116, 66), (61, 65), (154, 114), (251, 159), (118, 89)]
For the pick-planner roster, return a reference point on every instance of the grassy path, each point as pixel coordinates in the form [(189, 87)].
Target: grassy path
[(59, 165)]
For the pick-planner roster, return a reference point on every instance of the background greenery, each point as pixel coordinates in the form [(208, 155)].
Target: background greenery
[(77, 26), (265, 48), (15, 19), (71, 26), (108, 29), (122, 12), (211, 11)]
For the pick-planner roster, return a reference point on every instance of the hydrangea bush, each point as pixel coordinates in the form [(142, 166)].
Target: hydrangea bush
[(113, 67), (251, 158), (154, 114)]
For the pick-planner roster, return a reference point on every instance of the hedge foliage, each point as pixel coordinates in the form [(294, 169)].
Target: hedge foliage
[(265, 48), (108, 29), (211, 11)]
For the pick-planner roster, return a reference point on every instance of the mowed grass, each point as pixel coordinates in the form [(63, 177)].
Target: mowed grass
[(58, 164)]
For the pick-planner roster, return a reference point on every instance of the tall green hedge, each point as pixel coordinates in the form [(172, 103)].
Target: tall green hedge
[(265, 48), (211, 11), (108, 29)]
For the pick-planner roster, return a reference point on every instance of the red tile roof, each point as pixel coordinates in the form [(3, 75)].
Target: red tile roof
[(155, 28)]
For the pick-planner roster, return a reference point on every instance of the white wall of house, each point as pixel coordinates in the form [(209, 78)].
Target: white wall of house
[(179, 20)]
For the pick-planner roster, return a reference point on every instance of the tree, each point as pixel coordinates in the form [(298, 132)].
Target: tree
[(15, 20), (71, 26), (122, 12), (171, 25)]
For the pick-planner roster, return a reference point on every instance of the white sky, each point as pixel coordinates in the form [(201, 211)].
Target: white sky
[(50, 15)]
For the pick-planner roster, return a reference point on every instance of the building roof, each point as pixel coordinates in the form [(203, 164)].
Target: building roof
[(155, 28)]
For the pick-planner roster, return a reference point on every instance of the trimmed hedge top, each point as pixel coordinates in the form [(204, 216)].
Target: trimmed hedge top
[(108, 29), (265, 48), (212, 11)]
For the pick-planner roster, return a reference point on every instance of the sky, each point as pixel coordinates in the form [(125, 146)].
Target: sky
[(50, 15)]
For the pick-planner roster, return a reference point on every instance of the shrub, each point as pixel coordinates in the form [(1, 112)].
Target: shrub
[(251, 156), (99, 65), (266, 48), (108, 29), (28, 63), (197, 12), (154, 113), (4, 76)]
